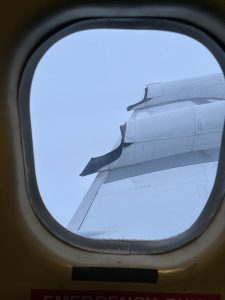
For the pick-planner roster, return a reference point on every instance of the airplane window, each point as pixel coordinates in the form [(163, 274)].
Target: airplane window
[(126, 129)]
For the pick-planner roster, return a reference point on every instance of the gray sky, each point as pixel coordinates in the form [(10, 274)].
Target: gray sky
[(79, 95)]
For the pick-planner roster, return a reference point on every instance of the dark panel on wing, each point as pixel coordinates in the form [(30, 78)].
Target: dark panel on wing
[(131, 107), (97, 163)]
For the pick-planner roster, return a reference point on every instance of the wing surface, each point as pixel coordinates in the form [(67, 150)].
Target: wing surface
[(164, 166), (148, 206)]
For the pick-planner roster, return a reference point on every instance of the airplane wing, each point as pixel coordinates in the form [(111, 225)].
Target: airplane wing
[(160, 164), (168, 152), (133, 207), (205, 87), (153, 141)]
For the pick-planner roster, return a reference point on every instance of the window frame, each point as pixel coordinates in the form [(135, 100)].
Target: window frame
[(112, 246)]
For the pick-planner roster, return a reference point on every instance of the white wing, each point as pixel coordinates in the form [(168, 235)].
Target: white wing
[(167, 157)]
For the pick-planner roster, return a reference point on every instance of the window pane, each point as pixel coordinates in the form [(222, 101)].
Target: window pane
[(126, 128)]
